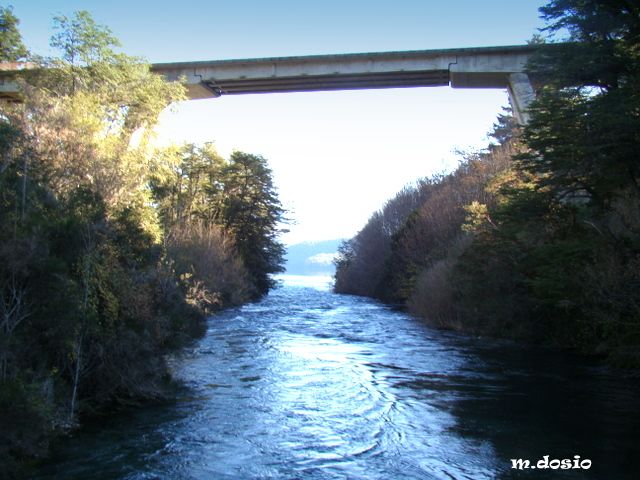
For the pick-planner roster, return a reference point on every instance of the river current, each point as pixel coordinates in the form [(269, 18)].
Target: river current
[(308, 384)]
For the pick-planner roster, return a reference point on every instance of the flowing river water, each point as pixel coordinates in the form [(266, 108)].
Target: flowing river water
[(311, 384)]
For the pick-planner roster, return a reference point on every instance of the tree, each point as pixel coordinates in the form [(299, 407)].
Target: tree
[(81, 41), (566, 229), (187, 183), (584, 131), (80, 283), (91, 113), (253, 213), (109, 256), (11, 47)]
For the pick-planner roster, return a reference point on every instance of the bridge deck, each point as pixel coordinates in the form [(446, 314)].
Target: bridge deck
[(486, 67)]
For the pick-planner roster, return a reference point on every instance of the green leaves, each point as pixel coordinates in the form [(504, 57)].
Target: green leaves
[(79, 235), (82, 41), (252, 211), (130, 96), (553, 238), (11, 47), (585, 123), (568, 222), (198, 191)]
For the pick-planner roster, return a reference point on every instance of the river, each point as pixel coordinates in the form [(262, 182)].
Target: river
[(311, 384)]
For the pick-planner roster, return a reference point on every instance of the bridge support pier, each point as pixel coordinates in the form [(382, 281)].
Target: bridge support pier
[(521, 94)]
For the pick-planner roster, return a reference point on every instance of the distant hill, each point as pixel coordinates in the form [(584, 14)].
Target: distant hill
[(312, 258)]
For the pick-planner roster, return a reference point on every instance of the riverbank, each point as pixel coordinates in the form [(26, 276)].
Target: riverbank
[(112, 250), (537, 236), (490, 249)]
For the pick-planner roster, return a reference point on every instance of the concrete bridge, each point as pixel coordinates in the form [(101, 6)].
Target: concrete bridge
[(486, 67)]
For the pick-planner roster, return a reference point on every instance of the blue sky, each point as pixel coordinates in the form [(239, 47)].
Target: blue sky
[(164, 31), (336, 156)]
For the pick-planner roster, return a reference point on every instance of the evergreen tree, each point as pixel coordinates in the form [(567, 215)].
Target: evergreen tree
[(583, 133), (11, 47), (566, 226), (252, 212), (188, 184)]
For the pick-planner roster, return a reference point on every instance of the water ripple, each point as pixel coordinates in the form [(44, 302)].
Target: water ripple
[(309, 384)]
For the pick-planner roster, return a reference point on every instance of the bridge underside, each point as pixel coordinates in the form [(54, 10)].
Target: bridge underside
[(311, 83)]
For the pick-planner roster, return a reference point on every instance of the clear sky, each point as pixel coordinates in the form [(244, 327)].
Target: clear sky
[(336, 156)]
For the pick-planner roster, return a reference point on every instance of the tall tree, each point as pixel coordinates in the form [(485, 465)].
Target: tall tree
[(78, 248), (584, 131), (253, 213), (187, 182), (566, 230), (91, 113), (11, 47)]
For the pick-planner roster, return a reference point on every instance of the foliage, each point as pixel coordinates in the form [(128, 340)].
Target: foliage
[(420, 225), (551, 239), (11, 47), (583, 140), (204, 258), (356, 270), (234, 203), (110, 253), (252, 213), (187, 184), (590, 103)]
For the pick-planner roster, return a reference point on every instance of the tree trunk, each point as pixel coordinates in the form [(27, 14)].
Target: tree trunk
[(25, 166), (76, 377)]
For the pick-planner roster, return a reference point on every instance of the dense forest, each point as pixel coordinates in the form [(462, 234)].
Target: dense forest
[(536, 238), (112, 251)]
